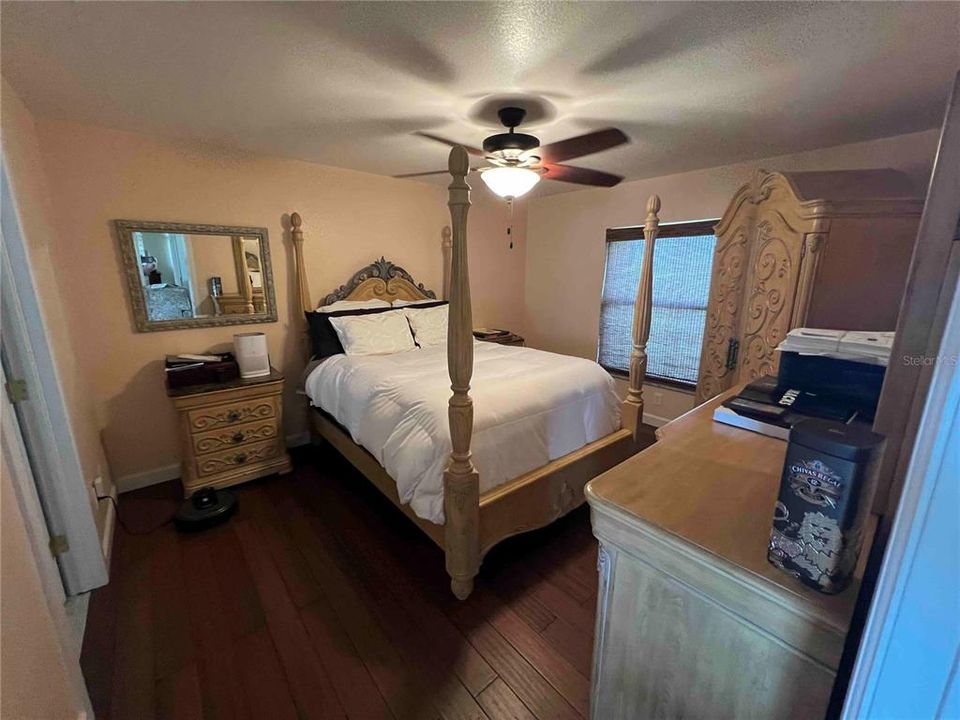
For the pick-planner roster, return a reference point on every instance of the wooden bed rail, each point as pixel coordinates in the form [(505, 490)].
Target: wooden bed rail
[(461, 482), (632, 409)]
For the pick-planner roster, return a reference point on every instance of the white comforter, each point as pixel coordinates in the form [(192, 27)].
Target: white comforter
[(530, 407)]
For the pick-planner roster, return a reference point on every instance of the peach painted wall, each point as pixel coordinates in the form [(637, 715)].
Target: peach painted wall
[(566, 236), (31, 195), (350, 218)]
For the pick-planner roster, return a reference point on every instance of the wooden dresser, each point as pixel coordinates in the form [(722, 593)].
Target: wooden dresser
[(692, 620), (231, 432), (804, 249)]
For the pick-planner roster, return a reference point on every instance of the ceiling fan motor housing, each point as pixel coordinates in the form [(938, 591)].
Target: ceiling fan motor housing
[(510, 145)]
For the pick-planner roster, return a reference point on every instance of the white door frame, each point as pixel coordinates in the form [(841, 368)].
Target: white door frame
[(908, 661), (57, 470)]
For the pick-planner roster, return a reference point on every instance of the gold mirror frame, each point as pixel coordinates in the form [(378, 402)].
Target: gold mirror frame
[(132, 270)]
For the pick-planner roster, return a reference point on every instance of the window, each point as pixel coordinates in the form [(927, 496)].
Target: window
[(682, 259)]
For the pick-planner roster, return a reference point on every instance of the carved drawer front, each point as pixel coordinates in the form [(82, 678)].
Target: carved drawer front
[(230, 437), (231, 414), (237, 458)]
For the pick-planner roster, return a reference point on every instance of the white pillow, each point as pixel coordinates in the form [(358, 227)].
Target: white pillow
[(377, 334), (405, 303), (429, 325), (353, 305)]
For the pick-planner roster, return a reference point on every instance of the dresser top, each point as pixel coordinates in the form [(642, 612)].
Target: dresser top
[(274, 376), (713, 487)]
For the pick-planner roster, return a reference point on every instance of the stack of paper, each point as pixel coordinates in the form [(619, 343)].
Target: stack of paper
[(859, 346)]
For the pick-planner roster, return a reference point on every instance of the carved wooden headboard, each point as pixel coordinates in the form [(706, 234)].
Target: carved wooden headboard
[(380, 279)]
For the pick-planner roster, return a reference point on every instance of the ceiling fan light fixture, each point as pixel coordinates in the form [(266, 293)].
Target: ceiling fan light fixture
[(510, 182)]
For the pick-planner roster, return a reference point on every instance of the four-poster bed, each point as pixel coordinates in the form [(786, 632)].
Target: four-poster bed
[(474, 521)]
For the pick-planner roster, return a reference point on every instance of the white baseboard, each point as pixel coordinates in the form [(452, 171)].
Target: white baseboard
[(109, 521), (135, 481), (298, 439), (654, 420)]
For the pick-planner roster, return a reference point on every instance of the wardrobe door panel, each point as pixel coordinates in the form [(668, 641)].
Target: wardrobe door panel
[(727, 284), (771, 291)]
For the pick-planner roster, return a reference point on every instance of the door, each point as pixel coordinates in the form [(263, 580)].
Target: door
[(34, 387)]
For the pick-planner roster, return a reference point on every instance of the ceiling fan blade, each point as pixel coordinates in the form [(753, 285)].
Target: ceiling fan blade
[(581, 176), (592, 142), (472, 150), (432, 172)]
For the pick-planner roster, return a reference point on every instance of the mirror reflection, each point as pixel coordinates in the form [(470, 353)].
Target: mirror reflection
[(196, 278)]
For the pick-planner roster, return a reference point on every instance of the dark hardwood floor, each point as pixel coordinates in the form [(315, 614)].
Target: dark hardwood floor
[(320, 600)]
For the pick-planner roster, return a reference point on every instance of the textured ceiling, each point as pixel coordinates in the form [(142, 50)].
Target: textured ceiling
[(693, 84)]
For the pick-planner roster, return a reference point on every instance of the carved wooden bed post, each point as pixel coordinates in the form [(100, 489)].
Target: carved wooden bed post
[(632, 410), (303, 289), (446, 249), (461, 483)]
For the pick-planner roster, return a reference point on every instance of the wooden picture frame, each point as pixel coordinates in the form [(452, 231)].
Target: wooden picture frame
[(131, 266)]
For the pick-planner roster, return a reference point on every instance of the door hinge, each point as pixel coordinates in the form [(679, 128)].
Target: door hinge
[(17, 390), (59, 545), (733, 349)]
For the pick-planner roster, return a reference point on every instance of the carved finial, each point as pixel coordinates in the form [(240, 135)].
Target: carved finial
[(459, 163), (653, 205), (447, 235), (296, 220)]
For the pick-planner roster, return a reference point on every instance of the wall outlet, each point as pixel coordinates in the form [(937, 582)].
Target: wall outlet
[(658, 398), (100, 487)]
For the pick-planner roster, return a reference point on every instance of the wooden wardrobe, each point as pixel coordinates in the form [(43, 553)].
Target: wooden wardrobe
[(805, 249)]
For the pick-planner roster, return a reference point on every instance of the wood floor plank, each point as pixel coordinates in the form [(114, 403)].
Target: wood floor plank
[(240, 603), (178, 695), (221, 687), (573, 685), (312, 690), (517, 592), (293, 569), (565, 607), (501, 703), (265, 685), (404, 695), (573, 645), (173, 643), (354, 685), (134, 686), (524, 680), (446, 646), (423, 654), (97, 657)]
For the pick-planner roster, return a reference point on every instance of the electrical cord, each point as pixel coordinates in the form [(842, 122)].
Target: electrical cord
[(126, 529)]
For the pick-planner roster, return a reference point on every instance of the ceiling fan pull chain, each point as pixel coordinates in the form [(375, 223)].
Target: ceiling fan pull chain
[(510, 222)]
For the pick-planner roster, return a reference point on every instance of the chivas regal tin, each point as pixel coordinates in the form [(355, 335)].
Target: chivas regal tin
[(820, 513)]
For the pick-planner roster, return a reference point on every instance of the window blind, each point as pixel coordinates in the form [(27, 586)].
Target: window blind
[(682, 260)]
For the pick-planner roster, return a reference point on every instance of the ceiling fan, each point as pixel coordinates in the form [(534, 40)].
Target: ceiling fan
[(517, 160)]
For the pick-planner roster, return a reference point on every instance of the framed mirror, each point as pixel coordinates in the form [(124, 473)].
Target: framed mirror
[(182, 276)]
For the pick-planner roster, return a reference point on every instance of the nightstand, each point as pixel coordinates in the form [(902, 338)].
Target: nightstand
[(231, 432), (509, 339)]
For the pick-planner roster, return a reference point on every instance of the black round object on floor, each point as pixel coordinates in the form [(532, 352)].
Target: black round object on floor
[(205, 508)]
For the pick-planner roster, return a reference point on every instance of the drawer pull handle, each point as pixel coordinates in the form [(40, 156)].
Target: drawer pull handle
[(237, 437), (233, 416), (241, 458)]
